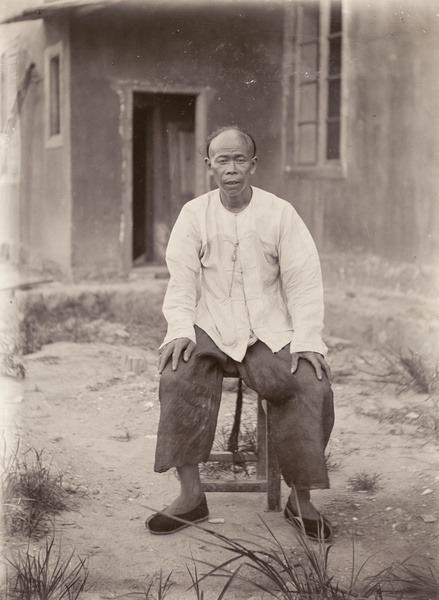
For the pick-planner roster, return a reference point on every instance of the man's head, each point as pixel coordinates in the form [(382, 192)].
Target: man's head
[(245, 134), (232, 161)]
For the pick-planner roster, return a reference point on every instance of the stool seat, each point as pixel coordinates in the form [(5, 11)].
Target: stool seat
[(268, 476)]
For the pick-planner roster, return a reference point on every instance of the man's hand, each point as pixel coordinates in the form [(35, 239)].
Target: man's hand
[(318, 362), (174, 349)]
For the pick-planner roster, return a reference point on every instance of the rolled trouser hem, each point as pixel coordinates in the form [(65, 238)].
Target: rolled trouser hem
[(303, 483), (313, 486), (162, 467)]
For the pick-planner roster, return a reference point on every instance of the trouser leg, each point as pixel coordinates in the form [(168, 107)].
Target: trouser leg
[(189, 403), (302, 413)]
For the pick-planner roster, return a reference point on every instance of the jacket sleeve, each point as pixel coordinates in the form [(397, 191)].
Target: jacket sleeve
[(301, 283), (183, 261)]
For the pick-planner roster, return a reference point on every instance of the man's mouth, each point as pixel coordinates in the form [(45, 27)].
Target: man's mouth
[(232, 182)]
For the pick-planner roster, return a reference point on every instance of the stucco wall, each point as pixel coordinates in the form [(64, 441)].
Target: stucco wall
[(238, 53), (38, 196), (388, 204)]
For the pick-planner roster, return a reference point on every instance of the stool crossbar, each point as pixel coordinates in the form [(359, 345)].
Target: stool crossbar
[(268, 477)]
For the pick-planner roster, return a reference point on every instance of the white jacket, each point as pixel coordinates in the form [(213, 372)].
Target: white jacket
[(233, 274)]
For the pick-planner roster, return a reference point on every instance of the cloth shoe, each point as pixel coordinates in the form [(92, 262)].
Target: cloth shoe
[(164, 524), (313, 528)]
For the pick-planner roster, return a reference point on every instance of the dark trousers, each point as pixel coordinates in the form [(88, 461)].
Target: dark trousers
[(303, 410)]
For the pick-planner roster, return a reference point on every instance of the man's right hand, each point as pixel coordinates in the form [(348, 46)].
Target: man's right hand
[(174, 349)]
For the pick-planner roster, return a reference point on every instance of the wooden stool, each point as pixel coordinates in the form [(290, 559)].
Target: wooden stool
[(268, 477)]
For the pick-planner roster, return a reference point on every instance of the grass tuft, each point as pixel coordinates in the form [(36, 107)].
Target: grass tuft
[(364, 482), (266, 565), (163, 586), (406, 370), (405, 580), (424, 379), (420, 582), (44, 575), (332, 464), (31, 491), (10, 361)]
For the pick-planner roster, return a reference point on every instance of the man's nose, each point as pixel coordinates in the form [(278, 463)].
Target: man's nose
[(231, 167)]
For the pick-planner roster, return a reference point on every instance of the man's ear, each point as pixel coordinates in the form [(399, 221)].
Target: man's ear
[(208, 164), (254, 164)]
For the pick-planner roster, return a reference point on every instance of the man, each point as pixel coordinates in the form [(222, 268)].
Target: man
[(245, 296)]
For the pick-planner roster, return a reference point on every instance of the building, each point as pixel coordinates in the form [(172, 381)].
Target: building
[(105, 105)]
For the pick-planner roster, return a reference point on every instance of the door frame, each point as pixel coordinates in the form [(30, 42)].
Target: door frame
[(126, 91)]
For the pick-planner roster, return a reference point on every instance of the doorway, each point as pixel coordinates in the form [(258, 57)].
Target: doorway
[(163, 169)]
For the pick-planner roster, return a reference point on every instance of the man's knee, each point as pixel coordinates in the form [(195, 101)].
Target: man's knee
[(190, 386), (308, 382), (170, 379)]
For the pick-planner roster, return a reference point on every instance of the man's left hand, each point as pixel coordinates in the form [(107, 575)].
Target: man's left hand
[(318, 362)]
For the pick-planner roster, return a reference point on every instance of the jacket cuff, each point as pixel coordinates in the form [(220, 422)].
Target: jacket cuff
[(175, 334), (309, 346)]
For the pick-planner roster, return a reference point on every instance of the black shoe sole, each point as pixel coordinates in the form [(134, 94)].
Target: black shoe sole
[(179, 526)]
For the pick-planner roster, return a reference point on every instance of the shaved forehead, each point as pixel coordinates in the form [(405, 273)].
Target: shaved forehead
[(229, 138)]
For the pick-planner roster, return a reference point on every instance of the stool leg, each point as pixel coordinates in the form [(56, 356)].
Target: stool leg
[(273, 470), (261, 429)]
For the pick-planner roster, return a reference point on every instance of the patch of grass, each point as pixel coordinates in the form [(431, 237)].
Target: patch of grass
[(31, 491), (143, 320), (123, 437), (42, 324), (406, 370), (10, 360), (99, 386), (44, 575), (215, 470), (364, 482), (332, 464), (199, 593), (419, 581), (162, 585), (304, 573), (277, 573), (424, 425), (80, 318), (424, 378), (405, 580), (247, 441)]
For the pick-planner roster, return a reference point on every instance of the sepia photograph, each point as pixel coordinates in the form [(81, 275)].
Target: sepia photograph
[(185, 186)]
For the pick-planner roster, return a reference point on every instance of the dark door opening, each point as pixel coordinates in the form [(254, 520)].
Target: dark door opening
[(163, 169)]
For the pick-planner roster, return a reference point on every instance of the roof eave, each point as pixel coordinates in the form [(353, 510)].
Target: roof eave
[(55, 8)]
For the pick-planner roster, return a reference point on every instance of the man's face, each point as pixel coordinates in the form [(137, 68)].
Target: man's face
[(231, 162)]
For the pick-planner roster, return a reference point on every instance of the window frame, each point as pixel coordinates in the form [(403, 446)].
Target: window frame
[(54, 140), (324, 167), (10, 156)]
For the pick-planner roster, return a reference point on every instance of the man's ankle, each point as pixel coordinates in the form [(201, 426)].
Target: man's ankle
[(300, 501)]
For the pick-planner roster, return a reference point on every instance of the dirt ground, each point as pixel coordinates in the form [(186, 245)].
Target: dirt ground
[(96, 420)]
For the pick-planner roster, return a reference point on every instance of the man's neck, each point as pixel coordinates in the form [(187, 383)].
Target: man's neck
[(236, 204)]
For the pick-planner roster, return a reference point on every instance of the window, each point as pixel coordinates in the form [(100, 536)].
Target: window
[(333, 111), (54, 97), (314, 112), (53, 89), (308, 85)]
